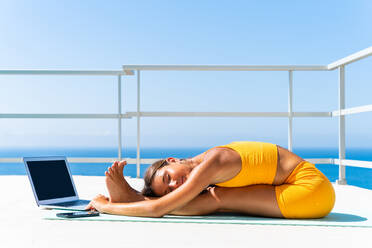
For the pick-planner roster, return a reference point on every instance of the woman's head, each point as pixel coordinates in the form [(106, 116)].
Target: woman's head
[(166, 175)]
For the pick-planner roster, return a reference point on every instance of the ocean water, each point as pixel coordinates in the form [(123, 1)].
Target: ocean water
[(361, 177)]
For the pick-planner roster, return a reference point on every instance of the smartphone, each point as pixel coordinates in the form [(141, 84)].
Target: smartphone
[(78, 214)]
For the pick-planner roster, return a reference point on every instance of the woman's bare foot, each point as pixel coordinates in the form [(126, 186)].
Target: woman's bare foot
[(115, 182)]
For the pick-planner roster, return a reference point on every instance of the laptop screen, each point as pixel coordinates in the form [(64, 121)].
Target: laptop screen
[(51, 179)]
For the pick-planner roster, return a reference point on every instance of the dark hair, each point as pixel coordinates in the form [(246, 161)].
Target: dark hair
[(149, 176)]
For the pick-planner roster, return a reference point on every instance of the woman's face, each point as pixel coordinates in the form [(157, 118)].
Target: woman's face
[(170, 177)]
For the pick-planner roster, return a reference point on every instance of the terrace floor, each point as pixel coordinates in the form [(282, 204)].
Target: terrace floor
[(21, 224)]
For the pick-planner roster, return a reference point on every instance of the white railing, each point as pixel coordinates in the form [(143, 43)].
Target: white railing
[(129, 70)]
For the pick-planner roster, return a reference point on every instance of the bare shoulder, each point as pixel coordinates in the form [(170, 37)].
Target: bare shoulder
[(222, 156), (224, 162)]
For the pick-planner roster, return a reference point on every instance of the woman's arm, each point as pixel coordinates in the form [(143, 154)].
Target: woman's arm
[(200, 177), (205, 203)]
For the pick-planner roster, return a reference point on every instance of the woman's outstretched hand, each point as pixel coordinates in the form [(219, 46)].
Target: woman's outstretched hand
[(98, 203)]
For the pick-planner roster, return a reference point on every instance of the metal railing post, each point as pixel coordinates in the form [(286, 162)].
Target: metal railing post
[(341, 126), (138, 124), (119, 118), (290, 118)]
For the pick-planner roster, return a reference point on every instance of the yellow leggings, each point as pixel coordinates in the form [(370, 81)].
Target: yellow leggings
[(306, 193)]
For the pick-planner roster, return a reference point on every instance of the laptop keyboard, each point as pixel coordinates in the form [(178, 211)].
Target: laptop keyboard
[(73, 203)]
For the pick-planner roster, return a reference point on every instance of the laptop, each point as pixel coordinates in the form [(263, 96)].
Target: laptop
[(52, 183)]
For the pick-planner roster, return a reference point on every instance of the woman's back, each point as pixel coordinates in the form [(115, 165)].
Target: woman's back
[(248, 162)]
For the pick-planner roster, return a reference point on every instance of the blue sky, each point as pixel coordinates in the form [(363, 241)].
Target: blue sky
[(107, 35)]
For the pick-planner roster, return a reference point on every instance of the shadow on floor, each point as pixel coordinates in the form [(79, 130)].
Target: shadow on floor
[(332, 217), (341, 217)]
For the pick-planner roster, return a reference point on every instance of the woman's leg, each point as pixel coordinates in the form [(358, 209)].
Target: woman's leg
[(253, 200), (259, 200), (205, 203)]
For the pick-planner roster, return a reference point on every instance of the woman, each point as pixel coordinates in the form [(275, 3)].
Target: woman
[(254, 178)]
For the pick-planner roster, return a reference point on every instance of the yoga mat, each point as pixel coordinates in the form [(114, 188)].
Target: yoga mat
[(333, 219)]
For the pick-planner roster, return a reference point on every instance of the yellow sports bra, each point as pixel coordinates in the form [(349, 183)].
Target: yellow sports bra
[(259, 163)]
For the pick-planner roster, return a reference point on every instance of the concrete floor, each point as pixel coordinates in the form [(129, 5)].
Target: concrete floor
[(21, 225)]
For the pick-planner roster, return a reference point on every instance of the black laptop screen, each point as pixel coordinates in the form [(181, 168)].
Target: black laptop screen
[(51, 179)]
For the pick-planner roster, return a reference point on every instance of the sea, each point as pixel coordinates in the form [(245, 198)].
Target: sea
[(361, 177)]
